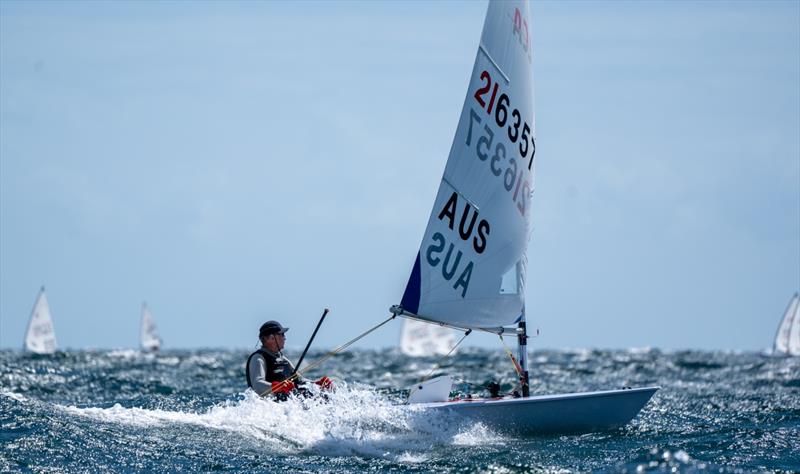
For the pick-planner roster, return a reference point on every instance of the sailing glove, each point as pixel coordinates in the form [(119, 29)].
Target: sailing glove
[(325, 383), (285, 386)]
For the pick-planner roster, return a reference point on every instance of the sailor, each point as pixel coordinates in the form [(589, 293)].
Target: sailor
[(268, 371)]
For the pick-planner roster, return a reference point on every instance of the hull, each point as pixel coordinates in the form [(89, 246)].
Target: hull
[(554, 414)]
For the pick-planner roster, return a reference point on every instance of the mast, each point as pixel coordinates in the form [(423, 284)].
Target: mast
[(522, 354)]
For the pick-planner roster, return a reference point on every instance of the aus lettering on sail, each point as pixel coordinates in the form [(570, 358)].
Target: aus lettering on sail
[(468, 229)]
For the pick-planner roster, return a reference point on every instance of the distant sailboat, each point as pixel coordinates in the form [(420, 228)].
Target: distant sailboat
[(40, 337), (787, 339), (418, 339), (149, 339)]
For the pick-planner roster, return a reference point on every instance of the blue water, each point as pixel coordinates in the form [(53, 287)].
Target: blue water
[(187, 411)]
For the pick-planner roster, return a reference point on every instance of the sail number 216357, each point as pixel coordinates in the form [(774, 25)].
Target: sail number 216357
[(501, 106), (487, 150)]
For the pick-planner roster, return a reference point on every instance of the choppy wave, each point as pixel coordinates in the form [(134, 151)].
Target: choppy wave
[(124, 410)]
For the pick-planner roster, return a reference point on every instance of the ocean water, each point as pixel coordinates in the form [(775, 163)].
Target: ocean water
[(187, 411)]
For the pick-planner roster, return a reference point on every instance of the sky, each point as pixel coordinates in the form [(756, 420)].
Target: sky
[(231, 163)]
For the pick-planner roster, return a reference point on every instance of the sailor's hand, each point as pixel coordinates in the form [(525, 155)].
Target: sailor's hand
[(285, 386), (325, 383)]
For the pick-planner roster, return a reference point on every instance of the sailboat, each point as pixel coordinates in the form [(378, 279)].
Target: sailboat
[(419, 339), (40, 336), (787, 339), (148, 336), (470, 270)]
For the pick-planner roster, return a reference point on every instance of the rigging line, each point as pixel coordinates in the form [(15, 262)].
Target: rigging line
[(436, 367), (332, 353), (513, 359), (441, 360)]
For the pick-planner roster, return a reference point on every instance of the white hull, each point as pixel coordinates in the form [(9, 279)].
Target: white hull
[(551, 414)]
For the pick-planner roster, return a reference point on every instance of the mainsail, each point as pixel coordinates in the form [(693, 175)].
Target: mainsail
[(40, 336), (419, 339), (787, 339), (470, 269), (149, 333)]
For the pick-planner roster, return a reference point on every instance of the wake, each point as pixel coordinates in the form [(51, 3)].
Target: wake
[(356, 420)]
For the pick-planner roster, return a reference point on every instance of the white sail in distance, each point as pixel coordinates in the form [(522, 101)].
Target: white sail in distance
[(420, 339), (41, 336), (471, 266), (148, 338), (787, 339)]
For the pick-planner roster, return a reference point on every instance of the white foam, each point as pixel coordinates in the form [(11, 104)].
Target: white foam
[(16, 396), (123, 353), (356, 420), (477, 434), (412, 458)]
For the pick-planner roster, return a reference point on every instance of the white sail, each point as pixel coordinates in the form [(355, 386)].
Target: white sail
[(149, 332), (470, 269), (787, 339), (419, 339), (40, 336)]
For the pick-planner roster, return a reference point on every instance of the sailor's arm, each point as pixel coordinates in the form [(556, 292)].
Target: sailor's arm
[(258, 376)]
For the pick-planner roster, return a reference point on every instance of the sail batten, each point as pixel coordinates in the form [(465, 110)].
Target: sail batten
[(482, 49), (470, 268), (466, 198)]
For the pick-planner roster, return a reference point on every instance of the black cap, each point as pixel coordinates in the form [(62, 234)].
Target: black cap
[(271, 327)]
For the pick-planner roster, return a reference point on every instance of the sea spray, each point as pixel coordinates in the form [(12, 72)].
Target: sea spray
[(353, 419)]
